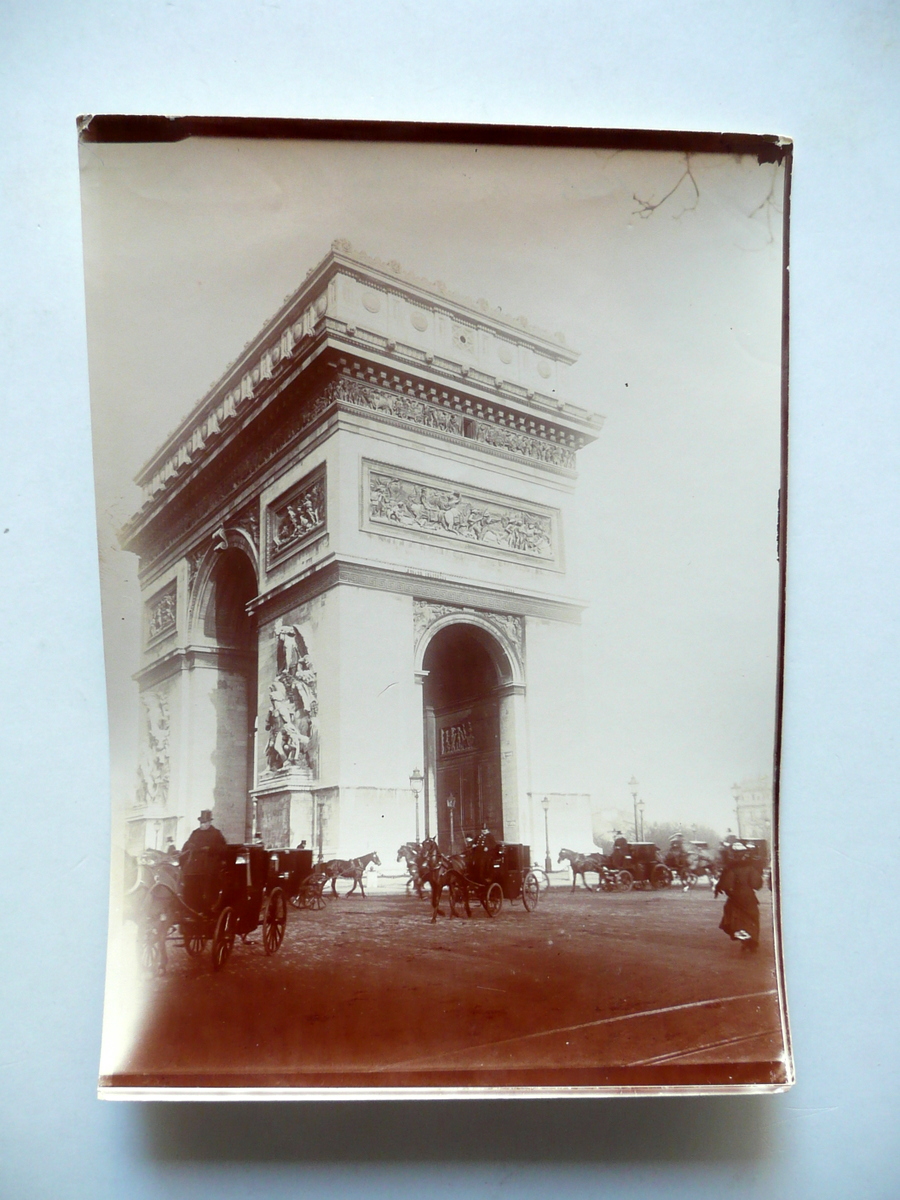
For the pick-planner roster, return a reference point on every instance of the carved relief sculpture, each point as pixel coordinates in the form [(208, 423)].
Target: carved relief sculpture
[(292, 522), (291, 720), (448, 512), (457, 739), (161, 613), (153, 769)]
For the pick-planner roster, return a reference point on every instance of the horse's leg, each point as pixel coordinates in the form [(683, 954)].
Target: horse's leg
[(574, 877), (435, 898), (359, 880)]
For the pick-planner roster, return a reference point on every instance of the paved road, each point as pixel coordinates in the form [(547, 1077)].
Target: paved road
[(590, 988)]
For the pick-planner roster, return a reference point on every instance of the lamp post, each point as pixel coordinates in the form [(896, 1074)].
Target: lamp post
[(548, 865), (451, 804), (415, 782), (640, 805), (320, 805), (633, 787)]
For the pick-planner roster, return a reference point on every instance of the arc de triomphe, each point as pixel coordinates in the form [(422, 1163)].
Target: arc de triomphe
[(353, 566)]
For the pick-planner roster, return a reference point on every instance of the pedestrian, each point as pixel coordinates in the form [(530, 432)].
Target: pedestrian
[(740, 881)]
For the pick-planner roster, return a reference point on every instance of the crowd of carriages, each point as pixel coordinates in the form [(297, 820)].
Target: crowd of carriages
[(644, 865)]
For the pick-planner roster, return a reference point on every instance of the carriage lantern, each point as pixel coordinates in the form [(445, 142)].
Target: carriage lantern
[(415, 782)]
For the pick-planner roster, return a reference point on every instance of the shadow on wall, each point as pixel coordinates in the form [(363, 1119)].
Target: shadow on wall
[(714, 1130)]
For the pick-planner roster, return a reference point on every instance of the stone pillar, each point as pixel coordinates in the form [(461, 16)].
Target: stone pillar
[(514, 764), (429, 751)]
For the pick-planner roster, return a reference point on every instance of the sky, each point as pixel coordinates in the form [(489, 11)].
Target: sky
[(191, 247)]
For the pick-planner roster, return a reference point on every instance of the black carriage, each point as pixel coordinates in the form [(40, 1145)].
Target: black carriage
[(640, 864), (293, 872), (208, 900), (498, 871)]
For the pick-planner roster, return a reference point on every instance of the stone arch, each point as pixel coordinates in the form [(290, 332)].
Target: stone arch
[(493, 636), (203, 585)]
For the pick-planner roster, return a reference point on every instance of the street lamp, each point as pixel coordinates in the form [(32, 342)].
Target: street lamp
[(320, 805), (633, 786), (640, 805), (548, 865), (451, 804), (415, 782)]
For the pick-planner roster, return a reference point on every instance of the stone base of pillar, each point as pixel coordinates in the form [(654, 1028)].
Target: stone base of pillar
[(284, 812)]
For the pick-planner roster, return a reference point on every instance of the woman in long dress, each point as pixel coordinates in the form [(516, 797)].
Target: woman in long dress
[(740, 881)]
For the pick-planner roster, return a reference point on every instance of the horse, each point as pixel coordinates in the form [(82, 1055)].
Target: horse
[(409, 853), (348, 868), (582, 863), (441, 872)]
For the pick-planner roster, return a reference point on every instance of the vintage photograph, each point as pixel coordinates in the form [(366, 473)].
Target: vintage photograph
[(439, 483)]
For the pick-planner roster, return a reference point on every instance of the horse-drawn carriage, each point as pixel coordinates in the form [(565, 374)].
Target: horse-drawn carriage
[(293, 870), (639, 864), (690, 861), (207, 900), (488, 871)]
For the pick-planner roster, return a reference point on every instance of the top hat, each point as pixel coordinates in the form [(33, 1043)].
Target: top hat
[(205, 815)]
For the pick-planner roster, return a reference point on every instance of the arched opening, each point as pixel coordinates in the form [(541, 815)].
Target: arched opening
[(227, 623), (465, 668)]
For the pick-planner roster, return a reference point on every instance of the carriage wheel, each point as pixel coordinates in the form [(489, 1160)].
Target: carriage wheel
[(624, 881), (493, 900), (194, 940), (298, 900), (152, 949), (660, 877), (531, 892), (223, 938), (274, 921)]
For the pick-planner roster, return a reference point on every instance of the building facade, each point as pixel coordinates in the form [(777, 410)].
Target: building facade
[(753, 808), (353, 566)]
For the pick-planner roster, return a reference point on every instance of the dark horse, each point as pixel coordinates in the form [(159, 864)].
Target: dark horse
[(348, 868), (441, 872), (409, 853), (582, 863)]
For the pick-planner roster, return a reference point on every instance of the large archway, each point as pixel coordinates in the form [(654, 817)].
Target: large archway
[(466, 669), (227, 623)]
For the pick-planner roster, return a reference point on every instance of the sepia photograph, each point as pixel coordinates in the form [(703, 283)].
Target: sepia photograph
[(441, 487)]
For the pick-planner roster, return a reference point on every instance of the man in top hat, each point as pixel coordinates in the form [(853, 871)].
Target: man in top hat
[(200, 863)]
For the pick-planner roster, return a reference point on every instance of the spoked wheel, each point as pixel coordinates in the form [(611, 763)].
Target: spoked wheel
[(152, 949), (531, 891), (624, 881), (274, 921), (493, 900), (660, 877), (298, 900), (194, 940), (223, 938)]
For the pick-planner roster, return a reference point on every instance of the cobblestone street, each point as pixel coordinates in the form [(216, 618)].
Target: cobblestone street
[(587, 985)]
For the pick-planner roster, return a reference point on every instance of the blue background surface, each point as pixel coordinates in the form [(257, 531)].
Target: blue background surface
[(826, 75)]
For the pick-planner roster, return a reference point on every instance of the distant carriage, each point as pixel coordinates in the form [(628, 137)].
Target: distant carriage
[(489, 871), (608, 878), (640, 864), (293, 870), (209, 899)]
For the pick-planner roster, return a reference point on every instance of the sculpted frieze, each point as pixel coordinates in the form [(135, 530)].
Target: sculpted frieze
[(161, 611), (294, 520), (409, 502)]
